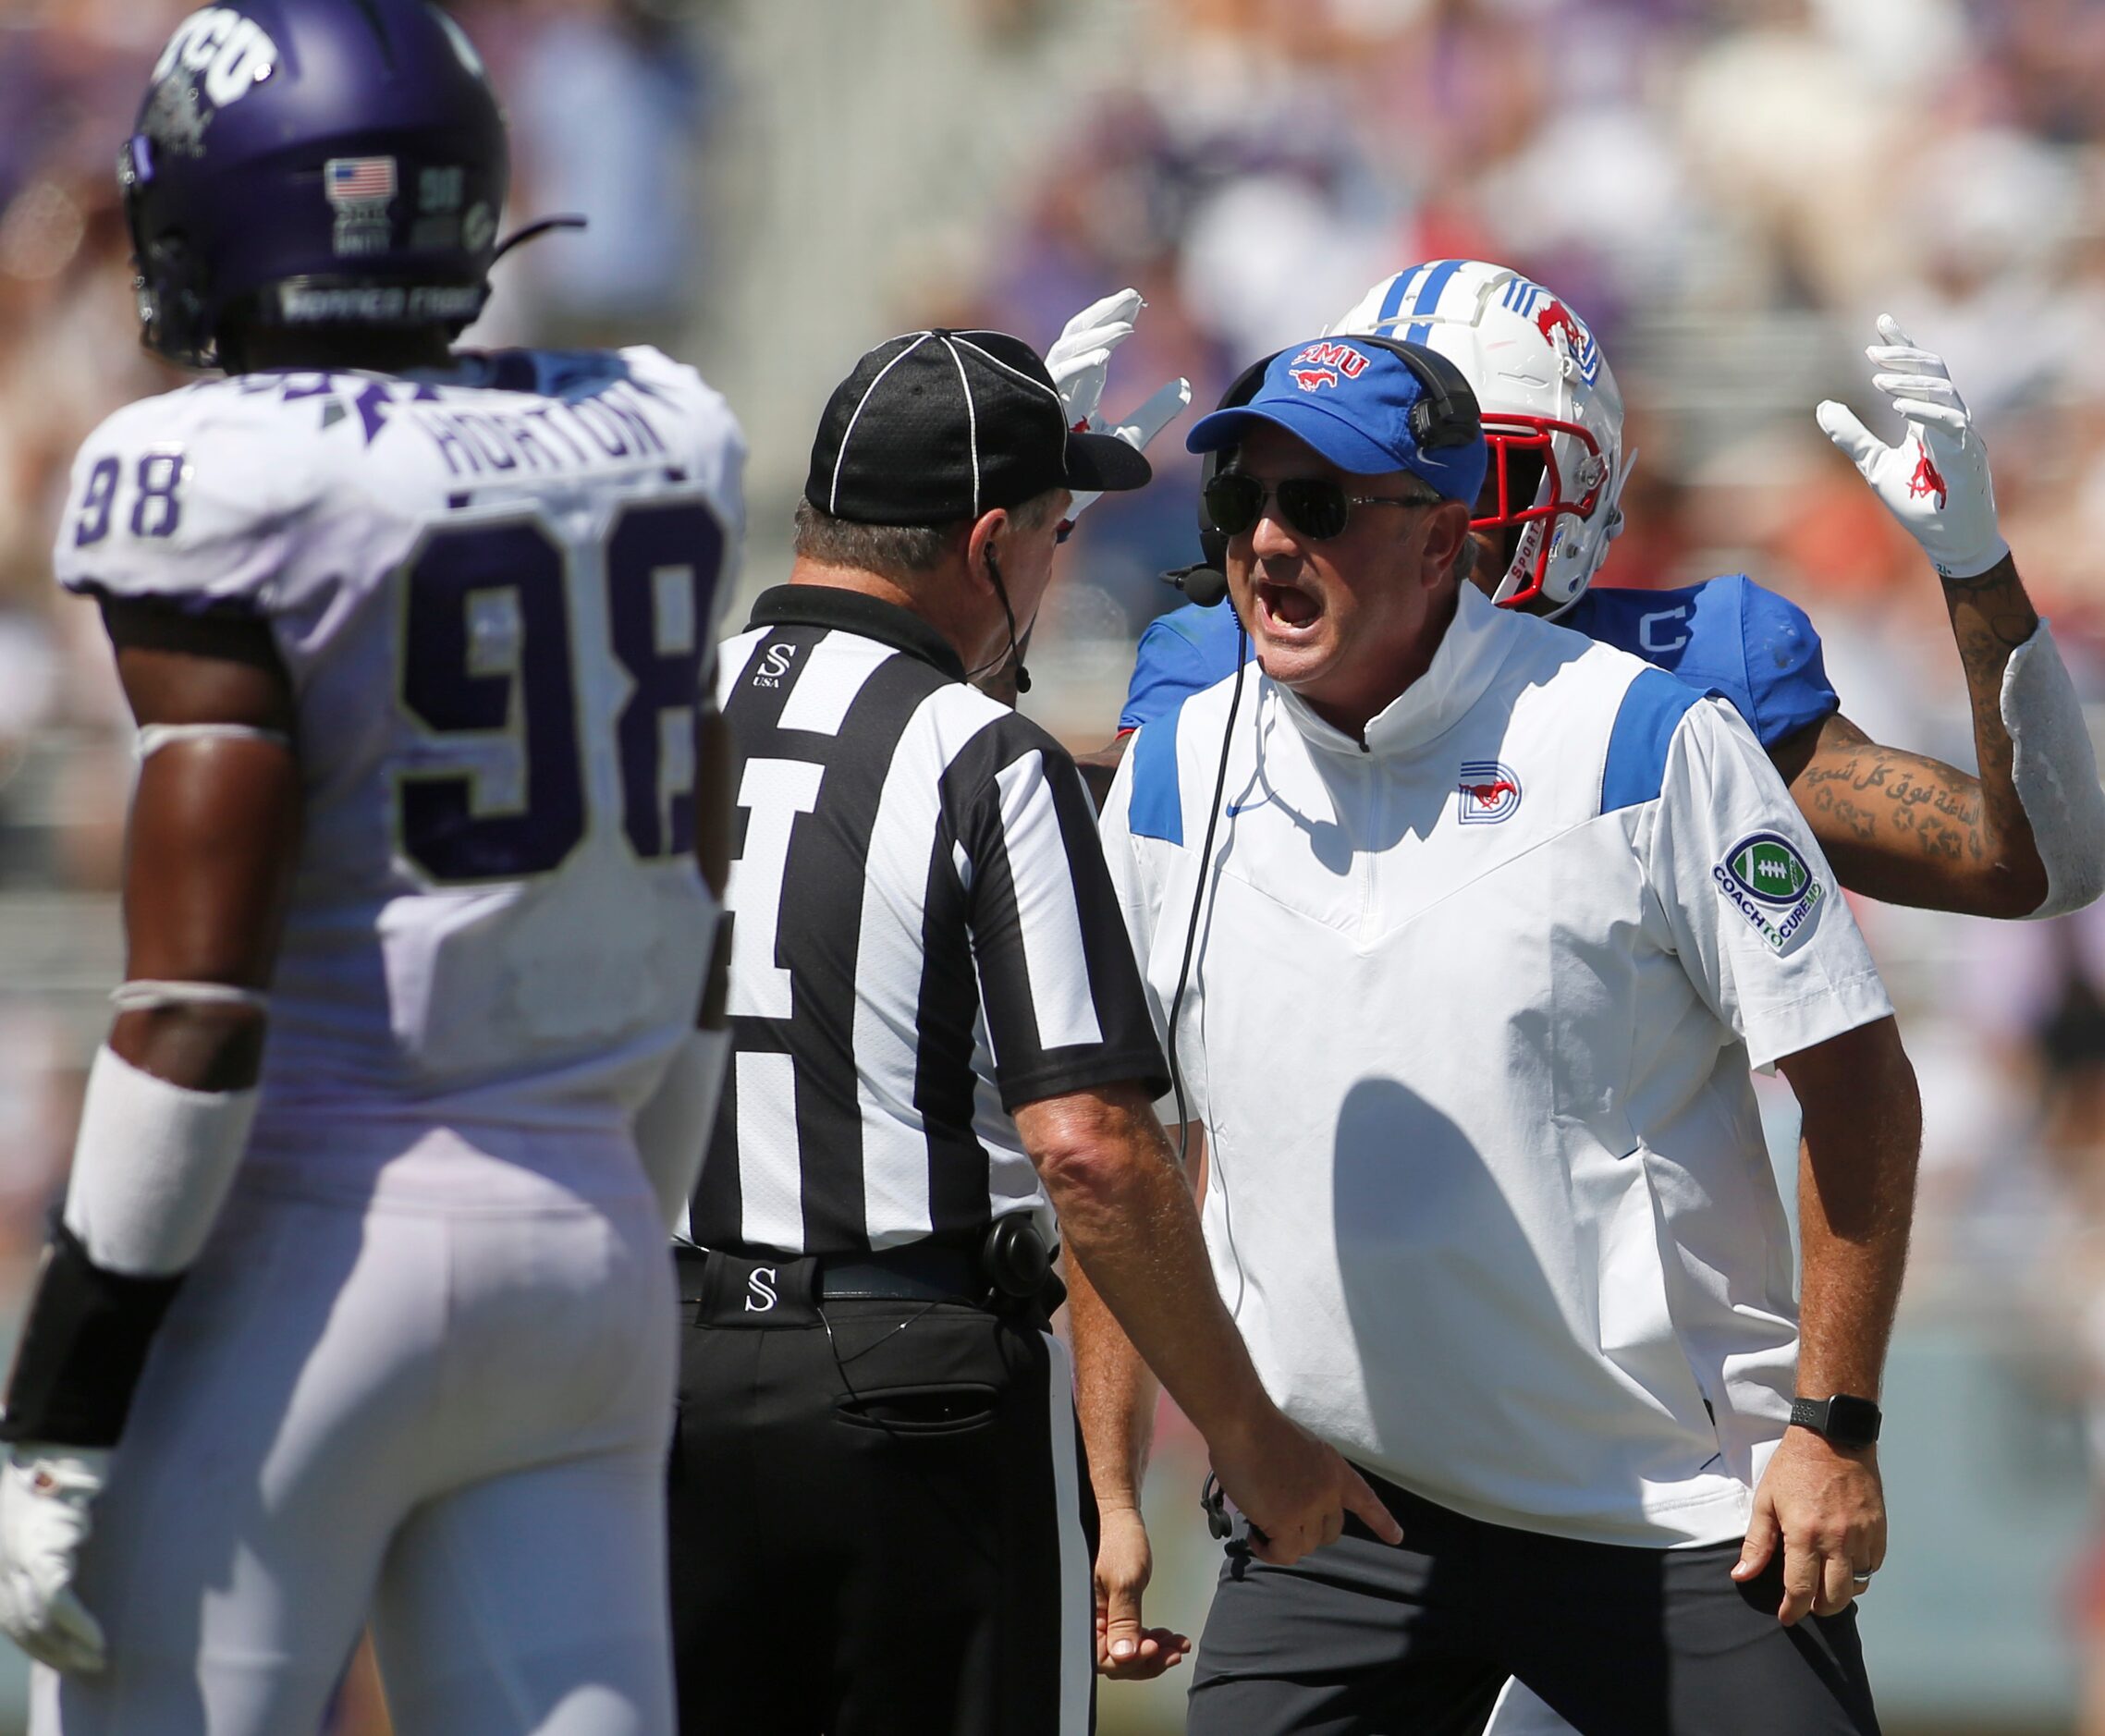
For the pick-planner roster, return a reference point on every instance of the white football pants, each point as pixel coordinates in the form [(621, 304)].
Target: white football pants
[(446, 1416)]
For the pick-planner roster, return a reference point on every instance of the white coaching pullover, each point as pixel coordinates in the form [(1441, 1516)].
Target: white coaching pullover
[(1469, 1024)]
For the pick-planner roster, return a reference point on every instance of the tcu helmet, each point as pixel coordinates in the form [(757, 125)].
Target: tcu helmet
[(312, 161), (1553, 415)]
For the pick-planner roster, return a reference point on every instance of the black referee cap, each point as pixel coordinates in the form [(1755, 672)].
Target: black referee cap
[(941, 425)]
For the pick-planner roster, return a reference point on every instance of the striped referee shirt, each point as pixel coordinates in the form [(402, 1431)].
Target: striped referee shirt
[(923, 937)]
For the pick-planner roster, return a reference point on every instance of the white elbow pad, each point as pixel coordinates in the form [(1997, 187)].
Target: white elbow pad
[(2055, 772), (672, 1128), (151, 1167)]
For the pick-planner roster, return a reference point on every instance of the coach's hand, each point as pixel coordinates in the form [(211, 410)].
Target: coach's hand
[(45, 1496), (1295, 1491), (1827, 1508), (1127, 1650)]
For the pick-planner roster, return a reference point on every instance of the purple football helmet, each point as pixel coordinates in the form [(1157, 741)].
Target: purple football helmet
[(312, 161)]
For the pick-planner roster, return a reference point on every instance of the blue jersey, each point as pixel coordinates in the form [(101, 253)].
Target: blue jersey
[(1726, 636)]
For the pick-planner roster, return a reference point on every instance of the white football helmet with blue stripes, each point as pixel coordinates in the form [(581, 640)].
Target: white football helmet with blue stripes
[(1553, 415)]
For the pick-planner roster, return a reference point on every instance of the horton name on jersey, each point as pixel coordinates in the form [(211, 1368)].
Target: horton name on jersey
[(1765, 878)]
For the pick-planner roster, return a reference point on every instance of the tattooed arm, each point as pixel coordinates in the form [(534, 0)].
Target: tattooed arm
[(1909, 829)]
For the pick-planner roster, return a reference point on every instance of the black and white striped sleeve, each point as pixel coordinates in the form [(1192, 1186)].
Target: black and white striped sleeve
[(1065, 1008)]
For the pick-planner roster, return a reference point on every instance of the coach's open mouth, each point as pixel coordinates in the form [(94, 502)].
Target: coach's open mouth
[(1288, 610)]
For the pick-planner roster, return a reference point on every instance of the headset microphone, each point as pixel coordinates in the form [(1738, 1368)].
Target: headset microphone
[(1203, 584)]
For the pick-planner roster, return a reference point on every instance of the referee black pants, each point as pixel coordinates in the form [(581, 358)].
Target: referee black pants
[(880, 1524), (1364, 1639)]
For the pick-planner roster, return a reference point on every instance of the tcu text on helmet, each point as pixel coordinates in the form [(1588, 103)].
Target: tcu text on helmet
[(227, 53)]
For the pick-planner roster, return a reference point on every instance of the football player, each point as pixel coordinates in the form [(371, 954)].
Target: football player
[(372, 1318), (2024, 838)]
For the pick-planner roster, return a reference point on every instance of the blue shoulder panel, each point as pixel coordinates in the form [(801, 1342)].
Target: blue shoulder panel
[(1727, 636), (1156, 809), (1653, 706), (1786, 674), (1181, 652)]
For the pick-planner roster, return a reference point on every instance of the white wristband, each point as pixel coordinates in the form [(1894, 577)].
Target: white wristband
[(152, 738), (151, 1167), (2055, 772)]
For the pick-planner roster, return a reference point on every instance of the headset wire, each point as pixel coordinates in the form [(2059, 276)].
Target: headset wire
[(1198, 895)]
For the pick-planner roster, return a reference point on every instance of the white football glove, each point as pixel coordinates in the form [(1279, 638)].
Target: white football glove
[(45, 1496), (1936, 482), (1079, 361)]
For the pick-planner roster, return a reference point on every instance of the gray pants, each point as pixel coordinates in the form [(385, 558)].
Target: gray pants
[(1361, 1639)]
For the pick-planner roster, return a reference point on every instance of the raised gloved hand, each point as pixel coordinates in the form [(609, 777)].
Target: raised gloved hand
[(45, 1496), (1936, 482), (1079, 361)]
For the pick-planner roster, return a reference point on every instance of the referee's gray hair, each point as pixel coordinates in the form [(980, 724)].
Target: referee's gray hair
[(895, 551)]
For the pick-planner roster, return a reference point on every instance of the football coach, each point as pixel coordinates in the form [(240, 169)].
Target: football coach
[(1467, 931), (879, 1517)]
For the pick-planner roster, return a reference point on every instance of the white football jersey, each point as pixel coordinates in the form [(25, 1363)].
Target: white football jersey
[(495, 590)]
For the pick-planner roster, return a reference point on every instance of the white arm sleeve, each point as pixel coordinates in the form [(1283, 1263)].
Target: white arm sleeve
[(2055, 772), (151, 1167)]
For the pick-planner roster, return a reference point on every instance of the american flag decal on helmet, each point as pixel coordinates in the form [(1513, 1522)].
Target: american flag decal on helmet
[(356, 180), (360, 190)]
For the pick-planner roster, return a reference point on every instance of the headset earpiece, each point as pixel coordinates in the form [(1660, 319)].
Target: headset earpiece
[(1447, 415), (1213, 543)]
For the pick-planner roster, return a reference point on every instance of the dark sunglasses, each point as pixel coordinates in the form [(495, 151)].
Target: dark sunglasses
[(1314, 507)]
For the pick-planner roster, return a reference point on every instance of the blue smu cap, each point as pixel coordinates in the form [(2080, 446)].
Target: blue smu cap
[(1364, 408)]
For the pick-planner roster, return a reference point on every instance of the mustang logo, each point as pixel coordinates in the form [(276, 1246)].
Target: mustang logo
[(1556, 317), (1926, 479), (1490, 792), (1309, 379)]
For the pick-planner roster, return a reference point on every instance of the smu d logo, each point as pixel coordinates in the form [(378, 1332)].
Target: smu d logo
[(1487, 792)]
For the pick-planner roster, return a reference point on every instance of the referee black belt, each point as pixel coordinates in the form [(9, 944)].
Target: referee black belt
[(1009, 1267), (914, 1272)]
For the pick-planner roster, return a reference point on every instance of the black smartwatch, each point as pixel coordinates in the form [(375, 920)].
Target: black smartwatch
[(1843, 1420)]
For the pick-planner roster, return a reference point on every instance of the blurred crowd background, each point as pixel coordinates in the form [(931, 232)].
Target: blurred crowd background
[(1728, 190)]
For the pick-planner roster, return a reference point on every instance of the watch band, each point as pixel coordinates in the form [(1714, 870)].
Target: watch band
[(1844, 1420)]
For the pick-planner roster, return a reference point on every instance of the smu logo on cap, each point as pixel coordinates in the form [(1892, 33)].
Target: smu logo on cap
[(1327, 360)]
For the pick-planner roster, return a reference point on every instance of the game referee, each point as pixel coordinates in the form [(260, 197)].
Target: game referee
[(878, 1519)]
